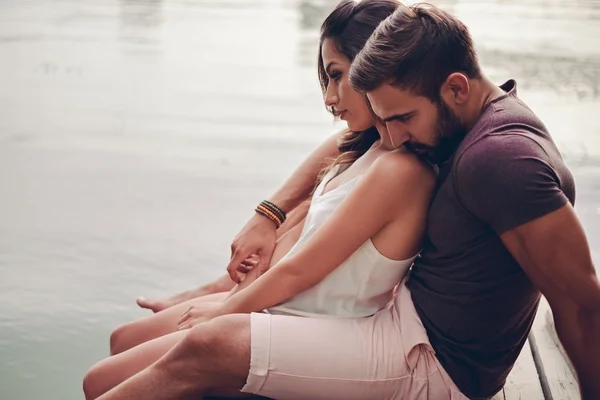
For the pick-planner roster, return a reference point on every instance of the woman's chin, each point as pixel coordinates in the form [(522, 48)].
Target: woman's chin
[(358, 127)]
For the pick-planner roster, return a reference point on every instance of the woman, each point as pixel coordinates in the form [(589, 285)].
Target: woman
[(356, 277)]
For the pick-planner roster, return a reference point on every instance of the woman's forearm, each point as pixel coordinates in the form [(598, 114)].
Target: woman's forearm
[(300, 184), (277, 285)]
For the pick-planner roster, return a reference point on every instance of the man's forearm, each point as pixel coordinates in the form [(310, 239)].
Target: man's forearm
[(300, 184), (579, 334)]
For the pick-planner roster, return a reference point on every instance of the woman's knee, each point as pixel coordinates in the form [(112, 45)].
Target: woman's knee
[(121, 338)]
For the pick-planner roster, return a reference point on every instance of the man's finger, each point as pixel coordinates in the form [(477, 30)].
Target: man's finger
[(263, 265), (250, 262), (244, 269)]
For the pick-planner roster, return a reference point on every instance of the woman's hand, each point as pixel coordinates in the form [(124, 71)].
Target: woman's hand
[(199, 313), (258, 238)]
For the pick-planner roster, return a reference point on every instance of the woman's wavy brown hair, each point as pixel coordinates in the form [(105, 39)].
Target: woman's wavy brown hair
[(350, 25)]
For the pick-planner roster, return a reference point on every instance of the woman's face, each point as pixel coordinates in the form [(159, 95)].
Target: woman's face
[(348, 104)]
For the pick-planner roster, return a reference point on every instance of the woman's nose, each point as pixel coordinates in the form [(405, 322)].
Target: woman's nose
[(331, 98)]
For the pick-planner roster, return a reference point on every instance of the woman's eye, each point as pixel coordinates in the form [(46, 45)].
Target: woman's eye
[(335, 75)]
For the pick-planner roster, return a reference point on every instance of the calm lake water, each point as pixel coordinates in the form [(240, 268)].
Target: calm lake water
[(136, 137)]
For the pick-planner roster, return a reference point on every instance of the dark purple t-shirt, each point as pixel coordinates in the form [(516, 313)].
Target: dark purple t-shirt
[(475, 301)]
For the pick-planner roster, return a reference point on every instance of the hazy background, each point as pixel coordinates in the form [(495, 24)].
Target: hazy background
[(137, 136)]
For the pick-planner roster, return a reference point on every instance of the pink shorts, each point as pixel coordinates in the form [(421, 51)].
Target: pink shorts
[(386, 356)]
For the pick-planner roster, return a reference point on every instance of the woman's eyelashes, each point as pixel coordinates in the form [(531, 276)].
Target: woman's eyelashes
[(335, 75)]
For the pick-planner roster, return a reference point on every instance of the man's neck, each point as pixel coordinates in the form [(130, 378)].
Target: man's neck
[(483, 91)]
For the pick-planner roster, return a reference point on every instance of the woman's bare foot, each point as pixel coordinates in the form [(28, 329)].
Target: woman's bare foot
[(222, 284), (162, 304)]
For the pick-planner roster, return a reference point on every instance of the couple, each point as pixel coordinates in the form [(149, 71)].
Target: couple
[(330, 310)]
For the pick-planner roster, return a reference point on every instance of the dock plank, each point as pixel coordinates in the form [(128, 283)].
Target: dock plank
[(523, 383), (556, 375)]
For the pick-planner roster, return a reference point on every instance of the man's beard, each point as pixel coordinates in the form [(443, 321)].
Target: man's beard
[(450, 132)]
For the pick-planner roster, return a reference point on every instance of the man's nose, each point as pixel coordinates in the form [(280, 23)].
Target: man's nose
[(398, 133)]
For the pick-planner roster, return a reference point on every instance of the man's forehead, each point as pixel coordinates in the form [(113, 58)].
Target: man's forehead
[(387, 99)]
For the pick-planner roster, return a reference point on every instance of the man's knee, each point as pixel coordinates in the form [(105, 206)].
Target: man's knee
[(94, 384), (219, 349), (202, 340)]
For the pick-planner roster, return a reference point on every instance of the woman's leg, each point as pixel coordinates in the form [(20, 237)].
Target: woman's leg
[(153, 326), (221, 284), (165, 321)]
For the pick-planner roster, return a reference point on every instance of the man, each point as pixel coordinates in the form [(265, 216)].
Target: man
[(501, 227)]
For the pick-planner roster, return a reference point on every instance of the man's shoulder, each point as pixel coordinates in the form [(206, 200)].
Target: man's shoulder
[(508, 128), (500, 150)]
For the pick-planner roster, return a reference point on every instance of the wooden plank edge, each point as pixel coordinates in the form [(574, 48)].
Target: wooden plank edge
[(557, 380), (523, 382)]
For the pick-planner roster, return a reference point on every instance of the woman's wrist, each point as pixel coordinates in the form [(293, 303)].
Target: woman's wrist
[(229, 307), (272, 212)]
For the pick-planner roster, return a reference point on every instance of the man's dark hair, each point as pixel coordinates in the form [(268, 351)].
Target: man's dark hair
[(416, 49)]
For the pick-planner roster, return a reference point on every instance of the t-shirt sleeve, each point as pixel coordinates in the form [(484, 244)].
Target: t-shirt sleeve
[(507, 180)]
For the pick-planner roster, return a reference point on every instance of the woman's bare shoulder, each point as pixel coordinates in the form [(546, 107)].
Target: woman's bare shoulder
[(401, 168)]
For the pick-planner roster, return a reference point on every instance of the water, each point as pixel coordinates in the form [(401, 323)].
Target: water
[(136, 137)]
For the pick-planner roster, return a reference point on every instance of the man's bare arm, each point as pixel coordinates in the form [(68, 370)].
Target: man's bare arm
[(554, 252)]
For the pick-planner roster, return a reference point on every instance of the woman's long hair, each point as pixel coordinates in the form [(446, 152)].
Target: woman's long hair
[(350, 25)]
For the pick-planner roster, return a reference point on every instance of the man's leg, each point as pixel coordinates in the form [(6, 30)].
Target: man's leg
[(211, 356)]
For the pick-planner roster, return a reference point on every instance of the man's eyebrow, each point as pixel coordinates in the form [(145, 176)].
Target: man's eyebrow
[(398, 117)]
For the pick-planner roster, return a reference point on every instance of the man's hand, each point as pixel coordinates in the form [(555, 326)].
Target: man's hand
[(554, 253), (257, 237)]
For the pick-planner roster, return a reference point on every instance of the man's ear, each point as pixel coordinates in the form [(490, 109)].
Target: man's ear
[(455, 89)]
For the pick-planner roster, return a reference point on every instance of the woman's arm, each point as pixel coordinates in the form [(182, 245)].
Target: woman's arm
[(396, 185), (258, 236), (300, 184)]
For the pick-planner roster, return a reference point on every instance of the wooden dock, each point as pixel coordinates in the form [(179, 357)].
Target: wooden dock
[(542, 371)]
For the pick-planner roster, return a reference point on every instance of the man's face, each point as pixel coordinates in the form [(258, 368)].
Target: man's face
[(422, 126)]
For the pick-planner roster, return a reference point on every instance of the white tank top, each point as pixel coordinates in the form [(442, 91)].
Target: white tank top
[(359, 287)]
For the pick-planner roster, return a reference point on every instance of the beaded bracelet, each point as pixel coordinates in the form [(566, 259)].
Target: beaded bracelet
[(273, 208), (271, 211)]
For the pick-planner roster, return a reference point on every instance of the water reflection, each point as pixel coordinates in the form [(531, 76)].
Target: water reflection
[(139, 26)]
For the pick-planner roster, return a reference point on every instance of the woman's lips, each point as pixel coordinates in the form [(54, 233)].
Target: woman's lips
[(340, 114)]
